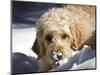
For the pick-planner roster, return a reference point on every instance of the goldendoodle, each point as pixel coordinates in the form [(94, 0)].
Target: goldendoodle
[(60, 31)]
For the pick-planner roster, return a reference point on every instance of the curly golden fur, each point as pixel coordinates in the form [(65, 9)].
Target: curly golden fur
[(63, 29)]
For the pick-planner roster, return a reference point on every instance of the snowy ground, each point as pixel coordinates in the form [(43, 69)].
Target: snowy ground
[(23, 39)]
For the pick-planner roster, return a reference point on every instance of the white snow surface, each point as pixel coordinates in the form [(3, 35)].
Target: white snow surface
[(23, 39)]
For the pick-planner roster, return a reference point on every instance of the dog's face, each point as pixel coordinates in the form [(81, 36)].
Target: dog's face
[(53, 39), (56, 37)]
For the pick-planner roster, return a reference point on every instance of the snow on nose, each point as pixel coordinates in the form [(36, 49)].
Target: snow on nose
[(57, 55)]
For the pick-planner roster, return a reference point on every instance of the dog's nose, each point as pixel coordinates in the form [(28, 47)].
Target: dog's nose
[(57, 55)]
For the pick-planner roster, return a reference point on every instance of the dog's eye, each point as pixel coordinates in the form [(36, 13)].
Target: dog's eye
[(49, 38), (64, 36)]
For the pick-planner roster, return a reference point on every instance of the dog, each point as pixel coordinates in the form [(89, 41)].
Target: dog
[(60, 31)]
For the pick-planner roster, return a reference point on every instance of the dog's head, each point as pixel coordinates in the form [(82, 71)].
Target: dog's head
[(56, 34)]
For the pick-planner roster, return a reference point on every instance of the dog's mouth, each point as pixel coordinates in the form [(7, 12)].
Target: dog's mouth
[(54, 63), (58, 59), (57, 56)]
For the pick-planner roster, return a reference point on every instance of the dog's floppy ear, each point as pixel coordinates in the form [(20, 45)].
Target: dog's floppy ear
[(77, 37), (35, 47), (38, 47)]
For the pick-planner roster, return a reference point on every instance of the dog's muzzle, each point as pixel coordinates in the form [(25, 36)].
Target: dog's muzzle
[(56, 56), (58, 59)]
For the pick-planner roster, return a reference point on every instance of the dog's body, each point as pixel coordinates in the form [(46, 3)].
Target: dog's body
[(63, 30)]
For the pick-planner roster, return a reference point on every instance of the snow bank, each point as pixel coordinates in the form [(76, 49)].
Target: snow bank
[(23, 39)]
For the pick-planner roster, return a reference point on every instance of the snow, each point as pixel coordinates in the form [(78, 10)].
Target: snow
[(90, 64), (23, 39)]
